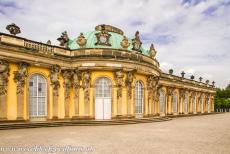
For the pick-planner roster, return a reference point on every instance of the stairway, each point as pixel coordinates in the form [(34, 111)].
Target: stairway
[(21, 125)]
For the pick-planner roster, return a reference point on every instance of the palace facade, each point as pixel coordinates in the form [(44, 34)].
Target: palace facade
[(100, 74)]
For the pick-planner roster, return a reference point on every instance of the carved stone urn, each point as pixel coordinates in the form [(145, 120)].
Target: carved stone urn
[(13, 29), (125, 43), (81, 40)]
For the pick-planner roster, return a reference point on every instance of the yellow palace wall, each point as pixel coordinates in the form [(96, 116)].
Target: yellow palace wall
[(45, 72), (84, 111)]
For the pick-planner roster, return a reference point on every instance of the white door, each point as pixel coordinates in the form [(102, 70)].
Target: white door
[(37, 97), (103, 99)]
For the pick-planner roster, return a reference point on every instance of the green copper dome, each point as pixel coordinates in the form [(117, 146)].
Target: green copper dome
[(115, 40)]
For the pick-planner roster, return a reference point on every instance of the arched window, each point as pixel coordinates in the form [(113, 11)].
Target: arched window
[(139, 97), (37, 96), (174, 104), (103, 87), (103, 98), (162, 101)]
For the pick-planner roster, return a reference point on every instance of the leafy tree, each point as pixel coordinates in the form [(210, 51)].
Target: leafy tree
[(222, 98)]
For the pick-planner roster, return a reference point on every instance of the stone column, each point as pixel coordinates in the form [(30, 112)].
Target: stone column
[(54, 76), (20, 78), (212, 104), (4, 74), (119, 75), (194, 103), (67, 75), (129, 86), (76, 86), (182, 100), (169, 100), (190, 110), (86, 88)]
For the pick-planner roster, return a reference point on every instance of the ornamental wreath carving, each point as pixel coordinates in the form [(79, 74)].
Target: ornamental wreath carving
[(20, 76), (4, 74)]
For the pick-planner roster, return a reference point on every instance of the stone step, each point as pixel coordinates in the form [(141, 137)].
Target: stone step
[(5, 126)]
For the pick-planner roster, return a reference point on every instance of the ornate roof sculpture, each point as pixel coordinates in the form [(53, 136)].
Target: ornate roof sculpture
[(106, 36), (13, 29)]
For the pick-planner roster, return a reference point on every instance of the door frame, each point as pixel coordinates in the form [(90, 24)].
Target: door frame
[(111, 97), (28, 98)]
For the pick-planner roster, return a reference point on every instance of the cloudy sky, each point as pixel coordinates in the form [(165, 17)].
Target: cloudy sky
[(189, 35)]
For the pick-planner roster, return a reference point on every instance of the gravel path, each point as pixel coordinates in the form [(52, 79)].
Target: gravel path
[(209, 134)]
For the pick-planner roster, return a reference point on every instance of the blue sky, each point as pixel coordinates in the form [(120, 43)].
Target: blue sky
[(189, 35)]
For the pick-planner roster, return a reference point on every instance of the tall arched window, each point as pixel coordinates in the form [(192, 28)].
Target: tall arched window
[(174, 103), (37, 96), (139, 97), (162, 101)]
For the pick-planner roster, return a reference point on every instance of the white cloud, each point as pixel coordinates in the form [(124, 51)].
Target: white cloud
[(186, 38)]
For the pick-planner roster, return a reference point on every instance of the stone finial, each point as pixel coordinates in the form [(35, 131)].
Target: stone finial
[(48, 42), (182, 74), (170, 71), (13, 29), (81, 40), (207, 81), (152, 51), (192, 77), (200, 78), (125, 42), (63, 39), (213, 83)]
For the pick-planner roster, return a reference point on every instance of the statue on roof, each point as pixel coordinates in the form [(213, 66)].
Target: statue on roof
[(136, 42), (13, 29), (63, 39), (152, 51)]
